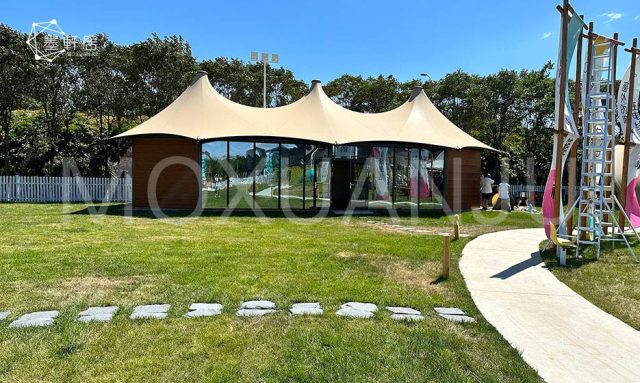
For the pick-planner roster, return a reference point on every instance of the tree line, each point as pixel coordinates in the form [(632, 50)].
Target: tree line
[(69, 108)]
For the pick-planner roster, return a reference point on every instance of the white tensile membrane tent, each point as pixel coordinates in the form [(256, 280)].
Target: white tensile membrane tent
[(201, 113), (313, 147)]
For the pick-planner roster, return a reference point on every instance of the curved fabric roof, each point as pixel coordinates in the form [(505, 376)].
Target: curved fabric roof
[(201, 113)]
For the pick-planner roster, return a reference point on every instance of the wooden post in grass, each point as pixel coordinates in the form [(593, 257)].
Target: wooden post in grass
[(445, 256), (456, 226)]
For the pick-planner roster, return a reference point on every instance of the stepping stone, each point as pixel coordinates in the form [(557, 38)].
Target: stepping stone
[(361, 306), (357, 310), (203, 310), (403, 310), (405, 313), (150, 311), (260, 305), (4, 314), (353, 313), (254, 312), (458, 318), (36, 319), (256, 308), (98, 314), (454, 314), (449, 311), (306, 309)]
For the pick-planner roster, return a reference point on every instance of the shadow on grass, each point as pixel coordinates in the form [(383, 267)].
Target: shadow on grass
[(441, 278), (125, 210)]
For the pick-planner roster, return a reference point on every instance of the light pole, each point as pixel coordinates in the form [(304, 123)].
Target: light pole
[(264, 59), (431, 80)]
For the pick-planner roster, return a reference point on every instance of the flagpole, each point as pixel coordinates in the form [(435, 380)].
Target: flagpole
[(627, 133)]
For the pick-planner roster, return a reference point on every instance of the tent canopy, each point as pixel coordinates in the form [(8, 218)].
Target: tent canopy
[(201, 113)]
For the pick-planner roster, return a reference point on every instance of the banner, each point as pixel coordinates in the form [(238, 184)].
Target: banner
[(574, 32), (549, 188), (631, 204), (623, 100)]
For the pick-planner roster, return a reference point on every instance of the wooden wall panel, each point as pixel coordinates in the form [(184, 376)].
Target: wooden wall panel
[(178, 186), (463, 179)]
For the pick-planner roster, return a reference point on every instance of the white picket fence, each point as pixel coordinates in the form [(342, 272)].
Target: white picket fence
[(64, 189), (517, 189)]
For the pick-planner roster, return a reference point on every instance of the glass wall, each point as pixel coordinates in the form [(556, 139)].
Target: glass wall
[(310, 152), (402, 179), (382, 181), (267, 175), (292, 176), (431, 185), (214, 176), (438, 177), (241, 174), (241, 158)]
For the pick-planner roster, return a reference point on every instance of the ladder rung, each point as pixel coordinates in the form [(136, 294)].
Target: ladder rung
[(588, 229), (598, 148), (588, 242), (598, 95), (605, 187)]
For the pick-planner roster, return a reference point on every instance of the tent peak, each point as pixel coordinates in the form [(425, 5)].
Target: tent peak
[(415, 92), (315, 83), (199, 74)]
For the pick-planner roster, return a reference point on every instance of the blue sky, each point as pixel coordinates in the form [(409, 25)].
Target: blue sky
[(324, 39)]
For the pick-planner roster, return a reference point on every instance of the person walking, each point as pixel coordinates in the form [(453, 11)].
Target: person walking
[(504, 190), (486, 189)]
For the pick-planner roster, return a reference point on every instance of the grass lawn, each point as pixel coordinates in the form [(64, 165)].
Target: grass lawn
[(611, 283), (53, 260)]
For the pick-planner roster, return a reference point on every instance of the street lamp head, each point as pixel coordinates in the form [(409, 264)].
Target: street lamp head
[(426, 75)]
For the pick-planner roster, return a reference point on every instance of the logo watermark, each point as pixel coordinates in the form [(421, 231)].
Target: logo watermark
[(48, 41)]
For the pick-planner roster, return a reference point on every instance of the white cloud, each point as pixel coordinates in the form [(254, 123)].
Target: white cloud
[(611, 16), (546, 35)]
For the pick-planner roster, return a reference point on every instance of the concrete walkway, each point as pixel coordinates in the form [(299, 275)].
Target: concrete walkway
[(559, 333)]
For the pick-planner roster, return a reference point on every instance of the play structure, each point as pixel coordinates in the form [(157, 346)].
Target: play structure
[(604, 213)]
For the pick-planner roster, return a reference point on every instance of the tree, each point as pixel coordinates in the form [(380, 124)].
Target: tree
[(370, 95), (16, 71), (243, 82)]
